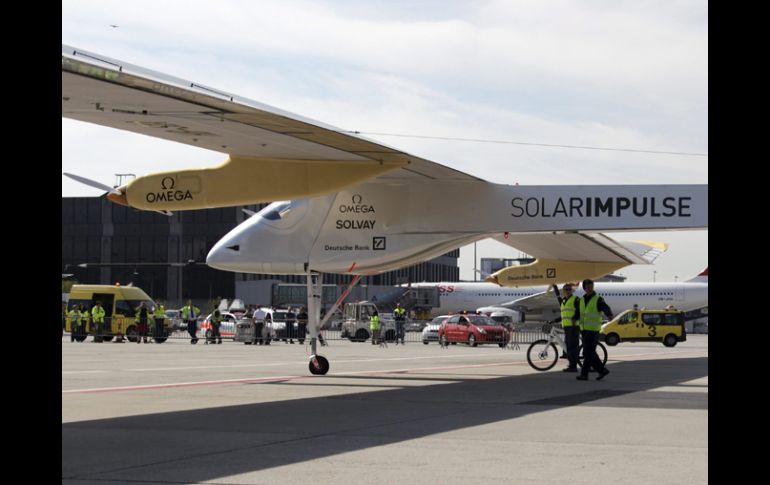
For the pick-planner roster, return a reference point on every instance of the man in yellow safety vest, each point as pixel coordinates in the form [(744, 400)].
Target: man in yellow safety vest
[(591, 307), (374, 326), (570, 322)]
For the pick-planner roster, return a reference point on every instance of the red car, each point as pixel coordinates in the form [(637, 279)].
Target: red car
[(473, 330)]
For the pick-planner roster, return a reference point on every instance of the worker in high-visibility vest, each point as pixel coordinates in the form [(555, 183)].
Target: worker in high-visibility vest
[(591, 307), (190, 314), (570, 322), (216, 322), (84, 320), (74, 318), (374, 326), (159, 314), (97, 319), (399, 314)]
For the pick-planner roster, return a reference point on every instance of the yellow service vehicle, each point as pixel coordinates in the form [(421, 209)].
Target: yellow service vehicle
[(119, 303), (665, 326)]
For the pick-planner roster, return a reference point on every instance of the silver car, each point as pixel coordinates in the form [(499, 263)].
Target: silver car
[(430, 332)]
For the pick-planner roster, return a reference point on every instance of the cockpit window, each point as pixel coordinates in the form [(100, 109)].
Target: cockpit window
[(278, 212)]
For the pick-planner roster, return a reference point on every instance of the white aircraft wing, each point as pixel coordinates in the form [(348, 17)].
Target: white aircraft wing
[(583, 246), (535, 303), (571, 256), (108, 92)]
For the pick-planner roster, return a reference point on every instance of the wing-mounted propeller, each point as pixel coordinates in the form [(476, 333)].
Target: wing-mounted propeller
[(94, 184), (117, 195)]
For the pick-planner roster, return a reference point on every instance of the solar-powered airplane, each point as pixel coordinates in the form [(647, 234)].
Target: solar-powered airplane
[(348, 204)]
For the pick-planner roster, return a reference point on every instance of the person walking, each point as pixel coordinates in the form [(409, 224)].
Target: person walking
[(259, 325), (302, 325), (74, 318), (570, 322), (159, 315), (592, 305), (190, 315), (142, 325), (84, 321), (399, 314), (374, 326), (97, 319), (216, 322)]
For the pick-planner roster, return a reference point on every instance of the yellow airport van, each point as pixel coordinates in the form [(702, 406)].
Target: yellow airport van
[(665, 326), (119, 303)]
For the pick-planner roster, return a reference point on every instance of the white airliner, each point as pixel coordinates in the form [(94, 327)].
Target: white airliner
[(537, 304), (348, 204)]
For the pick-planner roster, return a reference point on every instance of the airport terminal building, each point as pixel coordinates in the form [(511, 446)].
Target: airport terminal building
[(105, 243)]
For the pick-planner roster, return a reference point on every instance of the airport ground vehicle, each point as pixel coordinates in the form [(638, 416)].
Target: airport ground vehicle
[(414, 326), (473, 330), (430, 332), (356, 322), (175, 316), (119, 303), (245, 329), (226, 329), (543, 354), (666, 326)]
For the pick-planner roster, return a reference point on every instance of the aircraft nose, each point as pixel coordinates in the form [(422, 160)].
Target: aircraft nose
[(224, 255)]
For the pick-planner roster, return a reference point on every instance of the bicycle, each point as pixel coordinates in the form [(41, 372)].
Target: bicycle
[(543, 354)]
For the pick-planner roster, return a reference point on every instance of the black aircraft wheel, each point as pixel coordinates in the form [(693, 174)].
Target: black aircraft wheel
[(319, 369)]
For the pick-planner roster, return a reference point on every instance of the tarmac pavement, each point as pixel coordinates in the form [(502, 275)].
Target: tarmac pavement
[(238, 414)]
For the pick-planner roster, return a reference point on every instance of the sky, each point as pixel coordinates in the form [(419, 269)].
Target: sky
[(617, 74)]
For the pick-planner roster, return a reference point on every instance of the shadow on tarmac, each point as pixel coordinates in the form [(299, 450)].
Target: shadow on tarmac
[(205, 444)]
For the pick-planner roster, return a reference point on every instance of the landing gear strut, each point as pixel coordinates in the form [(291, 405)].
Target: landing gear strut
[(318, 365)]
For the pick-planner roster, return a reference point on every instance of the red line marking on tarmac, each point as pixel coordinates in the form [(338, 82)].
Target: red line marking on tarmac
[(183, 384), (291, 378)]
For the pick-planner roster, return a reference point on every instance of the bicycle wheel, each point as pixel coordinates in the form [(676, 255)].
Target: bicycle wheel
[(601, 351), (542, 355)]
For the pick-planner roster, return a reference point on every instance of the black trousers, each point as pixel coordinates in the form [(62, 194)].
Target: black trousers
[(572, 340), (400, 330), (159, 330), (215, 333), (590, 359), (192, 327), (98, 329), (258, 329)]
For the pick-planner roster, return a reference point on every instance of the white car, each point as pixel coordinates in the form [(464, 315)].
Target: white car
[(226, 329), (274, 326), (176, 320), (430, 332)]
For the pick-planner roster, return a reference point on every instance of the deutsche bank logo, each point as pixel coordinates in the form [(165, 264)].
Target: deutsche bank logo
[(378, 243), (550, 273)]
